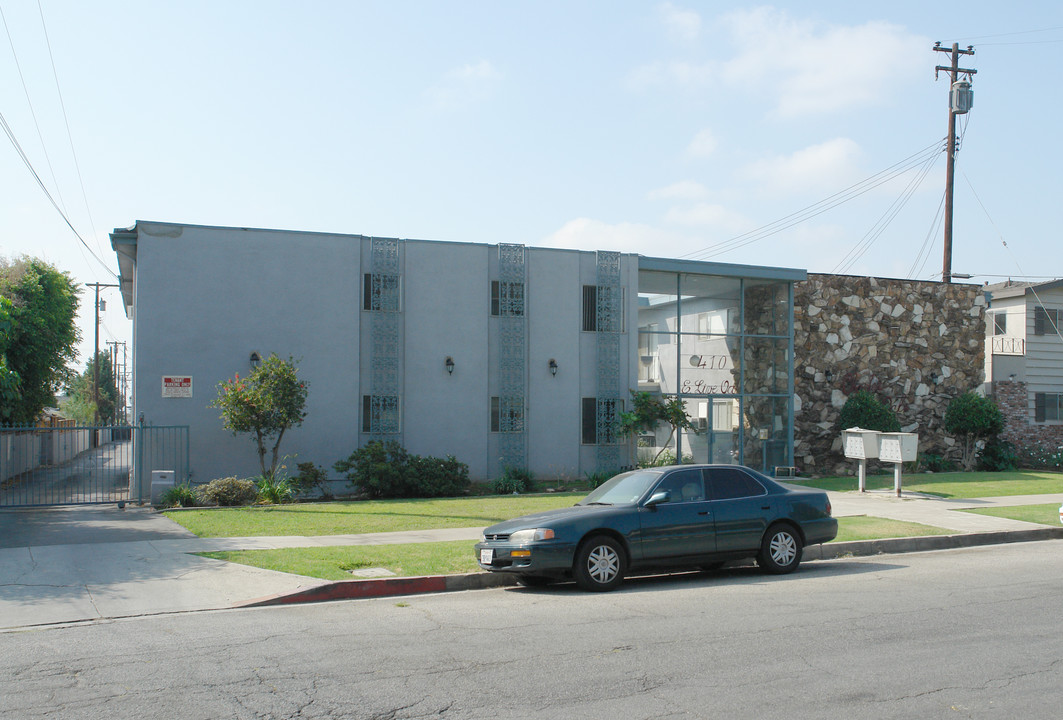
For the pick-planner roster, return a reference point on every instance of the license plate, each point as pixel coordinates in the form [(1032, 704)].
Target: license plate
[(487, 556)]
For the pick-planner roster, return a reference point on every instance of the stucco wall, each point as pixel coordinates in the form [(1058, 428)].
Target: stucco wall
[(915, 344), (207, 297)]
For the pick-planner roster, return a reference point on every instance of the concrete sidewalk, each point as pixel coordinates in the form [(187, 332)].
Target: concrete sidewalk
[(64, 565)]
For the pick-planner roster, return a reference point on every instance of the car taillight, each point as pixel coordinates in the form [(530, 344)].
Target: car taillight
[(828, 508)]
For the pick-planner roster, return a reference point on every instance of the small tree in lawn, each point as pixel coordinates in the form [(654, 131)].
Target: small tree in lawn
[(265, 404), (973, 418), (649, 410)]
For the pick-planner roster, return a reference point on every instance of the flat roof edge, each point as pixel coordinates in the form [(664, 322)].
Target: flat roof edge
[(702, 267)]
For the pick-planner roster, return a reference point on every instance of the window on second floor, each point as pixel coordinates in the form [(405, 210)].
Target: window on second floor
[(1000, 323), (507, 298), (590, 308), (1045, 321), (380, 291)]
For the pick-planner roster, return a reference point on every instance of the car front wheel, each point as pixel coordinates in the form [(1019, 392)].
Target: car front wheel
[(600, 564), (780, 551)]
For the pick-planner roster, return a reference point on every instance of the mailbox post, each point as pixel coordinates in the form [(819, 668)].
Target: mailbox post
[(861, 444), (898, 448)]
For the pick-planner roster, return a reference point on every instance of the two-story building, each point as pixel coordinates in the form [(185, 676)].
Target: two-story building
[(1024, 360), (501, 355)]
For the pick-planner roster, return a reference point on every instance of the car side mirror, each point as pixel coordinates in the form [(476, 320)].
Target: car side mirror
[(662, 496)]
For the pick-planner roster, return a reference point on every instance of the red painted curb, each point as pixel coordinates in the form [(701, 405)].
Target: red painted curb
[(354, 589)]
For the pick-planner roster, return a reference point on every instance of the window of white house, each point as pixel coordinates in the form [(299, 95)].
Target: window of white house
[(507, 298), (1048, 407), (612, 409), (507, 414), (380, 291), (1000, 323), (712, 323), (381, 414), (1045, 321)]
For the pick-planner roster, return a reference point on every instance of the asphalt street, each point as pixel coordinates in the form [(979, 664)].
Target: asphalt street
[(971, 633)]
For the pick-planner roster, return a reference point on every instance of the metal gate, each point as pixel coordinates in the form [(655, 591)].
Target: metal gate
[(84, 465)]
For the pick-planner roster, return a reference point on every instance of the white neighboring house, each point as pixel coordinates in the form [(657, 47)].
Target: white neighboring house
[(1024, 359)]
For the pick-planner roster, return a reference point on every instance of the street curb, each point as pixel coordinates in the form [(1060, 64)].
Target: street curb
[(862, 548), (393, 587)]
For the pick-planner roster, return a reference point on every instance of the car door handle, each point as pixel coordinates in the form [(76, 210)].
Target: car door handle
[(765, 507), (704, 512)]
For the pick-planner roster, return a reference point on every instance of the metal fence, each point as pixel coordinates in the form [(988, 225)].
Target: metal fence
[(85, 465)]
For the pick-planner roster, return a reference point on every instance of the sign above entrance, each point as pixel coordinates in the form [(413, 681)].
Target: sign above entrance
[(177, 386)]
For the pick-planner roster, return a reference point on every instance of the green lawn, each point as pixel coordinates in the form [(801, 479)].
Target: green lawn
[(952, 485), (446, 558), (1042, 514), (346, 518)]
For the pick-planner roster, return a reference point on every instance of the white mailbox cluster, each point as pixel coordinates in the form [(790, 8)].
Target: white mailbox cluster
[(894, 447)]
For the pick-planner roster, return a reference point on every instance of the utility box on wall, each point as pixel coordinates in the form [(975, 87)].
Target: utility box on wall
[(161, 481)]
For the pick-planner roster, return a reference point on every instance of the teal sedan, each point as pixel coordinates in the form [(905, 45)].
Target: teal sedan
[(662, 518)]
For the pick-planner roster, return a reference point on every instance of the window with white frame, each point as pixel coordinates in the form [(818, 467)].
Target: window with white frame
[(1000, 323), (1045, 321)]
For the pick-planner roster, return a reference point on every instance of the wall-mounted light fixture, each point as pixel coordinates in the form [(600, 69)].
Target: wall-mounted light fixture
[(553, 366), (449, 365), (829, 376), (255, 360)]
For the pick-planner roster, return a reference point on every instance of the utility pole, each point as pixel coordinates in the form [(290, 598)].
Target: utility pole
[(96, 359), (950, 169)]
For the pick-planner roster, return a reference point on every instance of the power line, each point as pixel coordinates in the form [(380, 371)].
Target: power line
[(29, 166), (807, 213), (69, 135), (33, 113)]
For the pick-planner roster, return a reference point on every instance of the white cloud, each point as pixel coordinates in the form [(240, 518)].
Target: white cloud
[(682, 190), (679, 73), (708, 215), (464, 86), (806, 67), (703, 145), (589, 234), (832, 164), (680, 23), (812, 72)]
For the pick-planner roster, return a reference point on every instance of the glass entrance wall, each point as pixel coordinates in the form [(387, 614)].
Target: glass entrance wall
[(720, 338)]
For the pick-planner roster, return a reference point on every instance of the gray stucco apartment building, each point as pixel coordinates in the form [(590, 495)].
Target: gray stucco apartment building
[(501, 355)]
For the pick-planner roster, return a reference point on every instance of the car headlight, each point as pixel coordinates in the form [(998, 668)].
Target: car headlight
[(532, 535)]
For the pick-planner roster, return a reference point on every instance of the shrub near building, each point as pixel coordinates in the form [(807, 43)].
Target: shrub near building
[(386, 470)]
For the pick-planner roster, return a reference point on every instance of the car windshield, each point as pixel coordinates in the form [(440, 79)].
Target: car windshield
[(622, 489)]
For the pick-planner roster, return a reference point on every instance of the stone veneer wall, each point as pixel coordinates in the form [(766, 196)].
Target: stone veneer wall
[(915, 344), (1013, 400)]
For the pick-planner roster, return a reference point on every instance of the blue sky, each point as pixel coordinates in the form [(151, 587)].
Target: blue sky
[(665, 129)]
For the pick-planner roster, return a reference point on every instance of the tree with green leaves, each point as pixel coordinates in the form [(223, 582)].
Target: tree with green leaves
[(82, 398), (38, 336), (973, 418), (864, 410), (649, 410), (265, 405)]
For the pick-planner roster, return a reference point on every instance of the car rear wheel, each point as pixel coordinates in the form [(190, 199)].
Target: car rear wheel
[(600, 564), (780, 551)]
